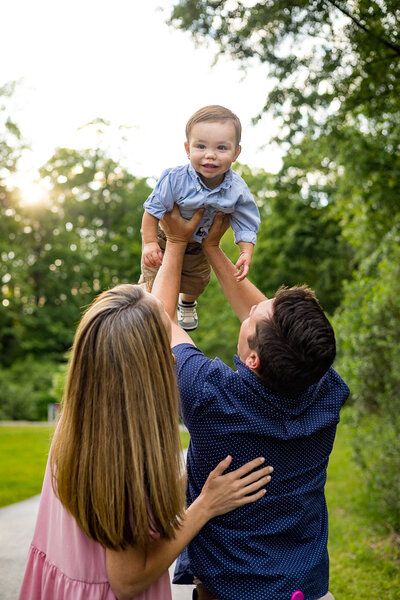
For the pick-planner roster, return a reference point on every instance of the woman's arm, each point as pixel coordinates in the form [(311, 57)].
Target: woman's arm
[(132, 571), (167, 282)]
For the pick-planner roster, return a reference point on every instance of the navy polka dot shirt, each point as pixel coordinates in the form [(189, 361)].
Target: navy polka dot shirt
[(270, 548)]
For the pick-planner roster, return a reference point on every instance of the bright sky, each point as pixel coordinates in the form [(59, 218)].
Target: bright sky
[(85, 59)]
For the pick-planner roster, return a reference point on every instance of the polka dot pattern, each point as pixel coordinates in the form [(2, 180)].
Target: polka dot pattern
[(267, 549)]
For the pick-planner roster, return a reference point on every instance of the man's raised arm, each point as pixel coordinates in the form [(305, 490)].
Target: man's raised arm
[(241, 295)]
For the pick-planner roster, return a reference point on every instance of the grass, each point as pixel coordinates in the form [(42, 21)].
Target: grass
[(364, 562), (23, 457)]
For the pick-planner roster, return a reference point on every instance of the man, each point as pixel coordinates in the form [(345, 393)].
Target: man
[(283, 403)]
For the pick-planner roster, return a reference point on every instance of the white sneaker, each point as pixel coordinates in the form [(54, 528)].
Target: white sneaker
[(187, 315)]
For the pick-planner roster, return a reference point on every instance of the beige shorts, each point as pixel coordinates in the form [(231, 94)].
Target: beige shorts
[(195, 274)]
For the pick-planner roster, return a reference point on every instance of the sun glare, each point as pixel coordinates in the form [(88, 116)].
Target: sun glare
[(32, 191)]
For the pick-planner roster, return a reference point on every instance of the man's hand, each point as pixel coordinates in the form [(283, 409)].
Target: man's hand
[(177, 229), (152, 255), (220, 225)]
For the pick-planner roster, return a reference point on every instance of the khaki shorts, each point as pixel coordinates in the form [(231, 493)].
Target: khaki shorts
[(195, 274)]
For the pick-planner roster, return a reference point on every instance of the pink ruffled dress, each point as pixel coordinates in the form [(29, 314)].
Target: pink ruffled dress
[(64, 564)]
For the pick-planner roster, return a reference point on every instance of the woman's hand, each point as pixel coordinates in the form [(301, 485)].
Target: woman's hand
[(223, 493), (133, 570)]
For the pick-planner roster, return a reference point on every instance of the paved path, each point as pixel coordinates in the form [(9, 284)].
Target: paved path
[(17, 523)]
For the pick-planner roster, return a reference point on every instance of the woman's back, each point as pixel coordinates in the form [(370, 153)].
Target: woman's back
[(65, 564)]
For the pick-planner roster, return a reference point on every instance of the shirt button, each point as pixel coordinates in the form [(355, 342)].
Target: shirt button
[(198, 188)]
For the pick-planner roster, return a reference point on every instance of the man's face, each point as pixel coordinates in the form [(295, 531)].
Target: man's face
[(211, 149), (263, 310)]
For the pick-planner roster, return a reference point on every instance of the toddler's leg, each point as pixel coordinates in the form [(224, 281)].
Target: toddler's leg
[(188, 298)]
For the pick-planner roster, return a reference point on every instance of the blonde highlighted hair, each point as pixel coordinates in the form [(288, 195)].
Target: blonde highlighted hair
[(214, 112), (116, 455)]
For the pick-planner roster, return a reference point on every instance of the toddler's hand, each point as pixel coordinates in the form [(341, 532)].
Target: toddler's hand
[(152, 255), (242, 265)]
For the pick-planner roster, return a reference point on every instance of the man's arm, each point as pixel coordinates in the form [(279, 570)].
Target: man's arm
[(167, 281), (241, 295)]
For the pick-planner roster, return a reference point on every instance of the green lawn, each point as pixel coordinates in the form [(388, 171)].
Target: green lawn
[(364, 563), (23, 456)]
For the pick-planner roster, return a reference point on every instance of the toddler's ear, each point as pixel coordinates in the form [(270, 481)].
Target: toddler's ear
[(187, 149), (238, 151)]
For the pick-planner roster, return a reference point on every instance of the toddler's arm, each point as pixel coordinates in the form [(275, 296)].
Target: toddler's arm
[(244, 261), (151, 253)]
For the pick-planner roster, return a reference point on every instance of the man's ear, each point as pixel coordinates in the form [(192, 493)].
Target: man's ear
[(253, 361)]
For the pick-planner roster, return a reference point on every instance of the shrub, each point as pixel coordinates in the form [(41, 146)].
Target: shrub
[(26, 390), (368, 332)]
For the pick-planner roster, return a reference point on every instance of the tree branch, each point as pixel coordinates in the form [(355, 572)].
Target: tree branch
[(384, 41)]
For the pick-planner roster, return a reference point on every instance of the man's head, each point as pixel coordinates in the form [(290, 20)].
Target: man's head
[(288, 341)]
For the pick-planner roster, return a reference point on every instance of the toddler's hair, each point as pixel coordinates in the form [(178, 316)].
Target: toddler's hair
[(214, 112)]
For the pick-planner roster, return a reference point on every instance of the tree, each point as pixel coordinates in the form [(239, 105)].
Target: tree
[(11, 227), (300, 237), (368, 331), (321, 54), (335, 66)]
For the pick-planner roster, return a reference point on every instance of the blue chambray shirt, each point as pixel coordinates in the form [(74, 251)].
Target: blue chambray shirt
[(268, 549), (183, 186)]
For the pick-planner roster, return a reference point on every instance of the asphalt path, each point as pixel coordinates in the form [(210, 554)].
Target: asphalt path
[(17, 524)]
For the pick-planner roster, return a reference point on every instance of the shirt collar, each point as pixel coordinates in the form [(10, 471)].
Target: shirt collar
[(227, 182)]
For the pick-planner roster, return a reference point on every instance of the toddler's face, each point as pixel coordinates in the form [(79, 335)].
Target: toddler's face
[(212, 149)]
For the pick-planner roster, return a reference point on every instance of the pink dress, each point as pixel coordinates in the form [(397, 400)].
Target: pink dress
[(64, 564)]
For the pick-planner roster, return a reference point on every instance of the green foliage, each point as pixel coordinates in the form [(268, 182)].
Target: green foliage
[(300, 237), (319, 54), (364, 560), (25, 389), (368, 332), (334, 208), (85, 238)]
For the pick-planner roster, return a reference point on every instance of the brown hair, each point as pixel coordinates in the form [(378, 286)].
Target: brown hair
[(296, 346), (116, 453), (214, 112)]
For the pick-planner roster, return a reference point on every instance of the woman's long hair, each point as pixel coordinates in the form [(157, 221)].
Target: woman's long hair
[(116, 455)]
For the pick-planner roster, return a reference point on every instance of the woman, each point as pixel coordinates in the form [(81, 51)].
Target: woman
[(111, 518)]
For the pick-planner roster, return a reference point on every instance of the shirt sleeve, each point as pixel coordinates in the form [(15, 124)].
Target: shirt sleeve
[(245, 220), (192, 369), (163, 196)]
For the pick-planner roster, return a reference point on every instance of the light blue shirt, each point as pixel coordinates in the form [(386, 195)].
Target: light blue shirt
[(184, 187)]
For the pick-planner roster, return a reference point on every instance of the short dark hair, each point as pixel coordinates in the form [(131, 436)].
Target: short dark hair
[(296, 345)]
